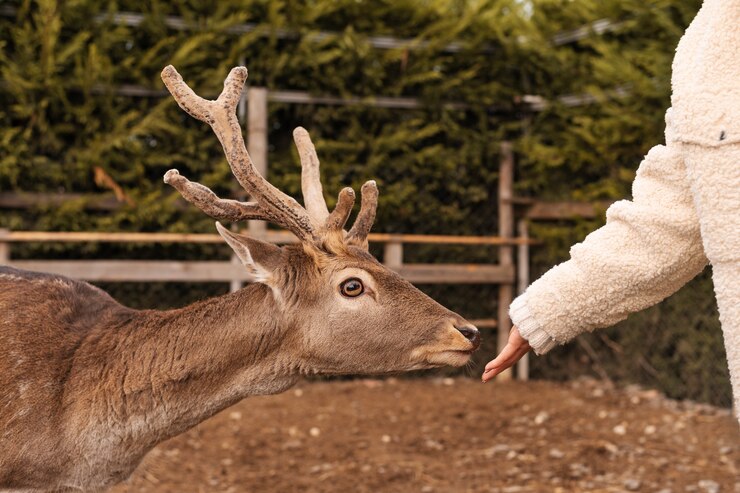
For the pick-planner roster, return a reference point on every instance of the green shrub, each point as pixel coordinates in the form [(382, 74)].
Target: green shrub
[(61, 116)]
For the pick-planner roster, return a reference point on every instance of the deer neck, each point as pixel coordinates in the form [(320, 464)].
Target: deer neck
[(168, 371)]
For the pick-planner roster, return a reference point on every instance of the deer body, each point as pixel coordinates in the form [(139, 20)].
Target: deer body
[(88, 386)]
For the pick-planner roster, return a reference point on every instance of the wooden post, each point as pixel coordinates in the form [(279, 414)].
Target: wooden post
[(393, 254), (253, 110), (506, 254), (241, 113), (522, 368), (257, 140), (235, 284), (4, 248)]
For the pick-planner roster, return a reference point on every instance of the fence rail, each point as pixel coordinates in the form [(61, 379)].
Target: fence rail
[(225, 271), (253, 111), (216, 271), (280, 237)]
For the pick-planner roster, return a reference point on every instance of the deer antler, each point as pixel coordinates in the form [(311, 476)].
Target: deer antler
[(366, 217), (271, 204), (313, 195)]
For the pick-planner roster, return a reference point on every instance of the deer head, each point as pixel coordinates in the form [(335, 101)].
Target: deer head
[(345, 311)]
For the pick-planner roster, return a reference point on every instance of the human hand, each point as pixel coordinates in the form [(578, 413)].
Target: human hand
[(516, 347)]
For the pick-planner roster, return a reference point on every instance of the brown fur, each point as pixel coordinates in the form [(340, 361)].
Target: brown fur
[(89, 386)]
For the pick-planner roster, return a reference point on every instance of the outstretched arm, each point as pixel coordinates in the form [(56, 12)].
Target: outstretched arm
[(649, 247)]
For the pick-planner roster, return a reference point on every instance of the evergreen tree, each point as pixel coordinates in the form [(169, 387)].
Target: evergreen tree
[(64, 121)]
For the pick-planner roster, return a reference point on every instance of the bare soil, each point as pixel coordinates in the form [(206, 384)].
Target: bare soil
[(451, 435)]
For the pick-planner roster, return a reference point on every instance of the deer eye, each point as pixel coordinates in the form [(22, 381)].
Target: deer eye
[(352, 288)]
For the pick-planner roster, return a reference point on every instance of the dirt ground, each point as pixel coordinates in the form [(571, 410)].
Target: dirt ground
[(451, 435)]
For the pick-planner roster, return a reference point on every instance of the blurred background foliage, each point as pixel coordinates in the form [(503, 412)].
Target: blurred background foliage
[(62, 115)]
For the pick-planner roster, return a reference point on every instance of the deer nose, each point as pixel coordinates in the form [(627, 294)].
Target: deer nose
[(470, 333)]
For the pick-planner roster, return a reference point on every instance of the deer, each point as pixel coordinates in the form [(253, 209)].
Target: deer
[(90, 386)]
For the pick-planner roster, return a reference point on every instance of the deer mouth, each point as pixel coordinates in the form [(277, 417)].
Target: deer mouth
[(462, 352), (469, 352), (448, 357), (453, 346), (474, 345)]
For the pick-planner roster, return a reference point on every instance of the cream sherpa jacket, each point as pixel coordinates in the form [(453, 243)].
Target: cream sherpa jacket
[(685, 209)]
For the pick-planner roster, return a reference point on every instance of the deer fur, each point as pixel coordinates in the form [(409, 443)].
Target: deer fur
[(89, 386)]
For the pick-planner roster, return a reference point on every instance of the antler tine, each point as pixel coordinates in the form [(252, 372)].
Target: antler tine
[(204, 199), (366, 217), (313, 195), (338, 217), (273, 205), (194, 105)]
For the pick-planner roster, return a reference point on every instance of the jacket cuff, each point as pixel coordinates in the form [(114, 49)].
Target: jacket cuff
[(529, 327)]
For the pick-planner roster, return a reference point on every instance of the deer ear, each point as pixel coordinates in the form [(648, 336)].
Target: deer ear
[(259, 257)]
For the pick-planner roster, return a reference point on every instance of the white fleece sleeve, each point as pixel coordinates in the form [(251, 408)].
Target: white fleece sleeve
[(649, 247)]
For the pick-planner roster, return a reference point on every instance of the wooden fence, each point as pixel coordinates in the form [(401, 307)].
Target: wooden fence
[(226, 271), (252, 111), (502, 274)]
